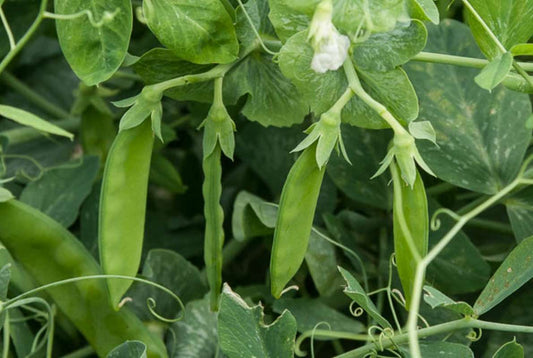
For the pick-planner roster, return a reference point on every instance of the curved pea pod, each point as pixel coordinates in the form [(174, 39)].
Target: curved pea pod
[(50, 253), (411, 227), (295, 219), (214, 220), (123, 206)]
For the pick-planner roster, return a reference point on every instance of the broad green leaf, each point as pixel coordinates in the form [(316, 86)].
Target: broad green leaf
[(253, 217), (508, 20), (440, 350), (423, 130), (310, 312), (321, 91), (159, 64), (258, 11), (267, 88), (198, 31), (165, 174), (459, 268), (411, 228), (60, 192), (495, 72), (358, 294), (195, 336), (254, 337), (30, 120), (5, 276), (522, 50), (95, 51), (435, 298), (510, 350), (424, 10), (5, 195), (173, 271), (130, 349), (520, 212), (512, 274), (322, 263), (481, 135), (386, 50), (365, 149), (286, 20)]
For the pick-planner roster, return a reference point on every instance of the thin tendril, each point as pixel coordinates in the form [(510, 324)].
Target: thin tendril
[(474, 335), (313, 336), (13, 301), (357, 312), (106, 17), (435, 220), (23, 172), (349, 251), (256, 33), (389, 294), (10, 37)]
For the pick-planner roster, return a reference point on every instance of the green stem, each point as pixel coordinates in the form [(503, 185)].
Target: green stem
[(216, 72), (80, 353), (22, 42), (357, 88), (25, 134), (452, 326), (491, 225), (33, 96), (461, 61)]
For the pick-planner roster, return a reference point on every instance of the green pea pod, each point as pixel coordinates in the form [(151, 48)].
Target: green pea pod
[(123, 206), (411, 227), (50, 253), (214, 220), (295, 219)]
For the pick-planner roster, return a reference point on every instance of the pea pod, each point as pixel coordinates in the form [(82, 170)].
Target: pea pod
[(411, 227), (295, 219), (123, 206), (51, 253), (214, 220)]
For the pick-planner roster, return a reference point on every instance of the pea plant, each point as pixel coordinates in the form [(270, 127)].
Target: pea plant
[(266, 178)]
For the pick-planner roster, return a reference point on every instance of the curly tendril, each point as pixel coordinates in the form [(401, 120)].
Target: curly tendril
[(23, 172), (435, 220), (474, 335), (13, 302), (297, 349), (398, 296), (356, 312), (106, 16)]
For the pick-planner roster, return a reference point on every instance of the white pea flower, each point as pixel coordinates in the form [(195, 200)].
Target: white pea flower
[(331, 47)]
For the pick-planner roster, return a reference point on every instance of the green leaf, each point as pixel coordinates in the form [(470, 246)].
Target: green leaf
[(441, 349), (424, 10), (321, 91), (60, 192), (435, 298), (423, 130), (386, 50), (358, 294), (310, 312), (365, 149), (173, 271), (520, 212), (459, 268), (198, 31), (95, 51), (510, 350), (130, 349), (322, 263), (259, 77), (249, 217), (286, 20), (258, 12), (495, 72), (5, 195), (512, 274), (254, 338), (411, 228), (195, 336), (508, 20), (164, 174), (5, 276), (30, 120), (522, 50), (481, 135)]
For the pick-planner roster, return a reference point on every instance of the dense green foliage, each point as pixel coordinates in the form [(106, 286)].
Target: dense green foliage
[(266, 178)]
